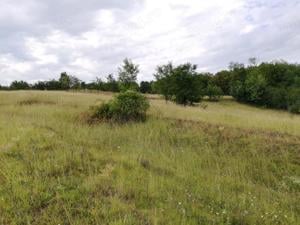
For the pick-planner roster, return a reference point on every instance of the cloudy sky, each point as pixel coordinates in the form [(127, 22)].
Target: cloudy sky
[(41, 38)]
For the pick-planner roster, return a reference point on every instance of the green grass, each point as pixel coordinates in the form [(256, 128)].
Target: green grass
[(226, 164)]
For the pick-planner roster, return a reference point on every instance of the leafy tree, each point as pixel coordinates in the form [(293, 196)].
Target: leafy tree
[(293, 100), (19, 85), (252, 61), (75, 83), (40, 85), (146, 87), (180, 84), (276, 97), (214, 92), (53, 85), (235, 66), (272, 85), (128, 75), (222, 79), (112, 85), (255, 87), (163, 77), (65, 81)]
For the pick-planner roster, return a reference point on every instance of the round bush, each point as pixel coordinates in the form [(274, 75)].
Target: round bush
[(127, 106)]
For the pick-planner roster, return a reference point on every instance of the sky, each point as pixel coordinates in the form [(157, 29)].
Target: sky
[(90, 38)]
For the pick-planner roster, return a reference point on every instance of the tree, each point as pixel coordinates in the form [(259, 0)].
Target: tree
[(235, 65), (53, 85), (214, 92), (293, 100), (111, 84), (273, 85), (163, 77), (252, 61), (19, 85), (255, 87), (128, 75), (65, 81), (222, 79), (75, 83), (145, 87), (180, 84), (40, 85)]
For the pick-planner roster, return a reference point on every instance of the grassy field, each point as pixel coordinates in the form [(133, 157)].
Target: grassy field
[(225, 163)]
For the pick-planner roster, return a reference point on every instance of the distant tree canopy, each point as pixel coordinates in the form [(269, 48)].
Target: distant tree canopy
[(273, 85), (128, 75), (146, 87), (19, 85)]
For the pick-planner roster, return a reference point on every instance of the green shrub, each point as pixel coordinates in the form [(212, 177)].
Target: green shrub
[(294, 100), (127, 106), (276, 97), (214, 92)]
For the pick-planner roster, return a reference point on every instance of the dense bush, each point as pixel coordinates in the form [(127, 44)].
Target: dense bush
[(293, 100), (222, 80), (214, 92), (127, 106), (274, 85)]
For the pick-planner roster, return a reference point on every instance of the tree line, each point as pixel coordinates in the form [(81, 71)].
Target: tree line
[(269, 84)]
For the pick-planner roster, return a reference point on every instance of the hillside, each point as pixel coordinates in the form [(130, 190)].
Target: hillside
[(213, 163)]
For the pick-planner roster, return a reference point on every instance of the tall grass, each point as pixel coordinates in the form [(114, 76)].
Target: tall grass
[(226, 164)]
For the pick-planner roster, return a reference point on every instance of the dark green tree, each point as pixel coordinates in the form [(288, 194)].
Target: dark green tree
[(214, 92), (19, 85), (222, 79), (180, 84), (146, 87)]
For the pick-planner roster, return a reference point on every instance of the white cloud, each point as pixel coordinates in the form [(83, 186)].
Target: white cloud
[(42, 38)]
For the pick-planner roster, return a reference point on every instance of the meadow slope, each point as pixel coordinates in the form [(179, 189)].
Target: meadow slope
[(226, 163)]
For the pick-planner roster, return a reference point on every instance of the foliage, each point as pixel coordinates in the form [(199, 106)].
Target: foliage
[(146, 87), (128, 75), (214, 92), (293, 100), (180, 84), (19, 85), (272, 85), (163, 76), (222, 79), (111, 84), (126, 106)]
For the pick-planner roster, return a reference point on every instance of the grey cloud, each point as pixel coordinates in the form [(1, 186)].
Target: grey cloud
[(39, 39)]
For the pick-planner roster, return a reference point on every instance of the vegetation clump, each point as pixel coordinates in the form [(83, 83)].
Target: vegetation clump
[(214, 93), (126, 106), (180, 84)]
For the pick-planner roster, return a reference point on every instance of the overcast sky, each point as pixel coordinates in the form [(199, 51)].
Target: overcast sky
[(89, 38)]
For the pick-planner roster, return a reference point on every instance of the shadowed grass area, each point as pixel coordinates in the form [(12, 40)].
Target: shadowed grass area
[(226, 164)]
